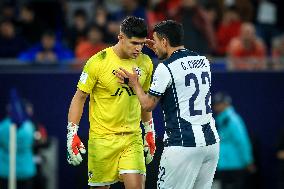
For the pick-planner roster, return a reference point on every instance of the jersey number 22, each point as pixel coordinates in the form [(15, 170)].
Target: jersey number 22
[(193, 77)]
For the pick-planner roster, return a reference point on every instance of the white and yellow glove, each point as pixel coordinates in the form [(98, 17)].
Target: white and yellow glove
[(74, 145), (149, 141)]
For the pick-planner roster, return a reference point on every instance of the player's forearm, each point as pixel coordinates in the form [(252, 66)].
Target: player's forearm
[(146, 116), (76, 107), (145, 101)]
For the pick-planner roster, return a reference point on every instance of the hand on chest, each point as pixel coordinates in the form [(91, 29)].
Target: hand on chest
[(109, 82)]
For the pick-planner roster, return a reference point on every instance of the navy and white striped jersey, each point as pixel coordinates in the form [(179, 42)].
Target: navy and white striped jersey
[(183, 82)]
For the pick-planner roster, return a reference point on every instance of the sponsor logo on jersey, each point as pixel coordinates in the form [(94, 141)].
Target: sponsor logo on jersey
[(138, 71)]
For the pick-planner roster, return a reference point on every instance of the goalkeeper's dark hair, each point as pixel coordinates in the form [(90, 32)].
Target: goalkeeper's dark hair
[(172, 31), (132, 26)]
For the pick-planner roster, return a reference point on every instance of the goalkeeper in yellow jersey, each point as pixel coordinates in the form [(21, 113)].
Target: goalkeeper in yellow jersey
[(115, 146)]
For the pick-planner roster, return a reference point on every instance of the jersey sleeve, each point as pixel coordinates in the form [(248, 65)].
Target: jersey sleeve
[(147, 82), (89, 75), (161, 80)]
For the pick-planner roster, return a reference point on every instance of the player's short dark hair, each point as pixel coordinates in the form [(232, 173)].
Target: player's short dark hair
[(132, 26), (171, 30)]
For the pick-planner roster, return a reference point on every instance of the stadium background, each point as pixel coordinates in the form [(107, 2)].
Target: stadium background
[(258, 95)]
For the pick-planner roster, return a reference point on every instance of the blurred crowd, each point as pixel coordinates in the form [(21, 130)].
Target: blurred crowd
[(60, 31)]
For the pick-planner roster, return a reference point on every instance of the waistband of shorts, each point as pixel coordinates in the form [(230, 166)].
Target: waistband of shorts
[(115, 134)]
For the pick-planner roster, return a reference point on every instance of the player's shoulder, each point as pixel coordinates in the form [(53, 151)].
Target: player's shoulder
[(162, 68), (145, 61), (178, 54), (99, 56), (97, 59), (145, 58)]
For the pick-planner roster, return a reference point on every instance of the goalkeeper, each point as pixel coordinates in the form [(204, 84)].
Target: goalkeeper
[(115, 146)]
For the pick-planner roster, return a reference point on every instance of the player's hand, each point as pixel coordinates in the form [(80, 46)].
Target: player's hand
[(125, 77), (150, 44), (149, 141), (74, 145)]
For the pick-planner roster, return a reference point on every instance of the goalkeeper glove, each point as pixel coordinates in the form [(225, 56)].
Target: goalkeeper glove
[(74, 145), (149, 140)]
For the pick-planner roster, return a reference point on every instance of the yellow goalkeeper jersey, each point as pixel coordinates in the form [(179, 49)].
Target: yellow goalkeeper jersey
[(113, 108)]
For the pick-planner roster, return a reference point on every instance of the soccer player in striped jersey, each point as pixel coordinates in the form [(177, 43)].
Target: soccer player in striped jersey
[(115, 146), (182, 84)]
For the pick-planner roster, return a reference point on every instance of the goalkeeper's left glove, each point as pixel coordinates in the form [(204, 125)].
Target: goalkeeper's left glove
[(149, 140)]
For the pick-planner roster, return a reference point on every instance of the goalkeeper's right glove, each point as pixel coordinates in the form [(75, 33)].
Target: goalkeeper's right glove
[(74, 145)]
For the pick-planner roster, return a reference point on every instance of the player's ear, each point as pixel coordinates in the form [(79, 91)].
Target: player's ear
[(120, 36), (164, 42)]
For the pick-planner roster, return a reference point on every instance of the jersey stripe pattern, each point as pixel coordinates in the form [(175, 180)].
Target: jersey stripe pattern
[(183, 82)]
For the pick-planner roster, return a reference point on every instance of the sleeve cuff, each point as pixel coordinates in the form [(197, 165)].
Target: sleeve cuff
[(154, 93), (84, 89)]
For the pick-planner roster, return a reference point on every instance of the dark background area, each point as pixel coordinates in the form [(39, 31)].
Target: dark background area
[(258, 97)]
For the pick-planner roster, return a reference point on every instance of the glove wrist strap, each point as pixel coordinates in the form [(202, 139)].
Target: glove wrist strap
[(72, 127), (148, 125)]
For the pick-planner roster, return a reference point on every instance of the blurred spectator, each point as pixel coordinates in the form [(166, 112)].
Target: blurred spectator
[(236, 156), (25, 166), (278, 52), (50, 12), (78, 31), (266, 20), (8, 12), (156, 12), (247, 51), (29, 26), (244, 8), (280, 158), (11, 44), (212, 14), (215, 7), (171, 7), (228, 29), (47, 51), (128, 8), (111, 5), (93, 44), (198, 30), (102, 19)]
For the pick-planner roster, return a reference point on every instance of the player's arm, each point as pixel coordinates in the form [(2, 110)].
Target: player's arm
[(146, 116), (74, 144), (147, 101), (85, 86), (77, 106)]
